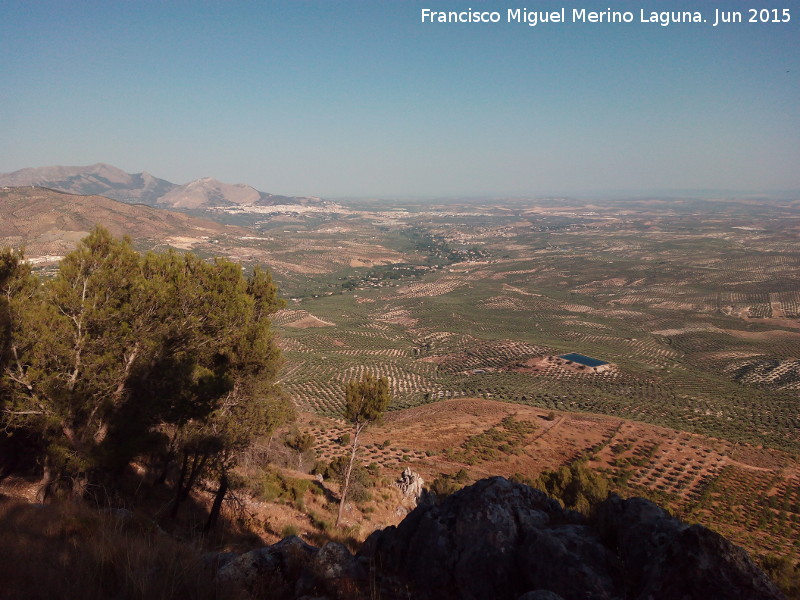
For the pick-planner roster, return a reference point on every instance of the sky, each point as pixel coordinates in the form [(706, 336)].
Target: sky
[(360, 98)]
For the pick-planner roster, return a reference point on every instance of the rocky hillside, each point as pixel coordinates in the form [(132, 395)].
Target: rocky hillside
[(48, 223), (98, 179), (109, 181), (504, 540)]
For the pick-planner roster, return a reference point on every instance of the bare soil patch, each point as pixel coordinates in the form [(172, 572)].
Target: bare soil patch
[(764, 336), (309, 321)]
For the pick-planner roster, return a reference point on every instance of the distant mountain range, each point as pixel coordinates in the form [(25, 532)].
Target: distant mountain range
[(143, 188)]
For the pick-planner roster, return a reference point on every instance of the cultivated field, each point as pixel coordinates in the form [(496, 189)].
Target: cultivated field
[(693, 305)]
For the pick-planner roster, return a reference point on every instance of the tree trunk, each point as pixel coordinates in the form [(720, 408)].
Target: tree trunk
[(166, 459), (184, 489), (179, 485), (197, 468), (45, 483), (213, 516), (347, 474), (162, 476)]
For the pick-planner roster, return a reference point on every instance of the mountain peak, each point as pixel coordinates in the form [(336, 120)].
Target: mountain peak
[(112, 182), (207, 191)]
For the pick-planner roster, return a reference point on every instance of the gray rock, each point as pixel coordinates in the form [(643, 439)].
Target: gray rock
[(411, 484), (667, 559), (338, 573), (272, 570), (506, 541), (470, 545), (503, 540), (214, 561), (334, 561)]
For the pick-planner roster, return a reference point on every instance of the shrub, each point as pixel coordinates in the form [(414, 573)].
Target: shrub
[(318, 522), (461, 476), (576, 486), (785, 574)]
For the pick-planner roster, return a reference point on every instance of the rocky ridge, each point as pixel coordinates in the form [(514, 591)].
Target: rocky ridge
[(504, 540)]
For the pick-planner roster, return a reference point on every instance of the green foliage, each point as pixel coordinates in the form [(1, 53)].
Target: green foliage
[(302, 443), (784, 573), (575, 486), (366, 399), (507, 437), (337, 469), (273, 486), (299, 442), (461, 476), (524, 479), (289, 530), (443, 486), (120, 352), (361, 479)]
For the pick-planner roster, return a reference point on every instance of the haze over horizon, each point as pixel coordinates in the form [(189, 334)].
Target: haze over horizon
[(356, 99)]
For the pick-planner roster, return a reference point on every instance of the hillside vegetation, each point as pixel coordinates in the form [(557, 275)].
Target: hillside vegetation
[(161, 358)]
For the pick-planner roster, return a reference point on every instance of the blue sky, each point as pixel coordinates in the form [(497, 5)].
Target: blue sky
[(361, 99)]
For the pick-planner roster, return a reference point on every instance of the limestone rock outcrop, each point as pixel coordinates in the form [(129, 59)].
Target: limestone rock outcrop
[(500, 539), (504, 540), (294, 569), (412, 485)]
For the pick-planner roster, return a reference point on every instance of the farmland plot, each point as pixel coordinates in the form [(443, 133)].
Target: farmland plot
[(692, 311)]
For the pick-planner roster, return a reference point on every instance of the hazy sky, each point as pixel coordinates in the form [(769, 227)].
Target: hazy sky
[(360, 98)]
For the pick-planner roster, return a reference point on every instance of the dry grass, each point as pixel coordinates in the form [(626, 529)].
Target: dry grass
[(69, 551)]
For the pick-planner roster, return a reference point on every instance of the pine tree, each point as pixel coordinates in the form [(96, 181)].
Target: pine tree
[(365, 401), (123, 355)]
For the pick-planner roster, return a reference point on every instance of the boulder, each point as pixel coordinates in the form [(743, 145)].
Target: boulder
[(494, 539), (271, 571), (666, 558), (338, 573), (504, 540)]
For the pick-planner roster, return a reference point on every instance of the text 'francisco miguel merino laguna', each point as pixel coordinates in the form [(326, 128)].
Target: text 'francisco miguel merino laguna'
[(581, 15)]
